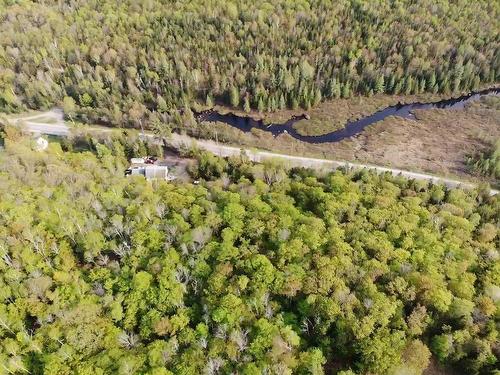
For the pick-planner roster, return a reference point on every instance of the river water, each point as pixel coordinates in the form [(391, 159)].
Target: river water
[(352, 128)]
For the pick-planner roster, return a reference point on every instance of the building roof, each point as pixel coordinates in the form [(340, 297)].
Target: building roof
[(151, 171), (137, 160), (156, 171)]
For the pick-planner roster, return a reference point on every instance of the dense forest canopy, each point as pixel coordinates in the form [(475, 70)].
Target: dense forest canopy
[(256, 270), (124, 62)]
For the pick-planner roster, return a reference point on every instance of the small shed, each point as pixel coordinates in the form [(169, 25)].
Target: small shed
[(137, 160)]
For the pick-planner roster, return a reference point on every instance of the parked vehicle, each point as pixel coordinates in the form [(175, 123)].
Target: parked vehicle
[(150, 159)]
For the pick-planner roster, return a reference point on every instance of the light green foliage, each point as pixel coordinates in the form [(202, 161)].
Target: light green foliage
[(256, 269)]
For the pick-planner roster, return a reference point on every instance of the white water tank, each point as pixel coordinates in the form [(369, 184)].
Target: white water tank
[(41, 144)]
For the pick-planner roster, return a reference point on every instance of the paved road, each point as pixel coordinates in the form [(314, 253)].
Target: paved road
[(52, 122)]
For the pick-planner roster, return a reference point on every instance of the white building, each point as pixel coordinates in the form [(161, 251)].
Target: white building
[(150, 168), (151, 172)]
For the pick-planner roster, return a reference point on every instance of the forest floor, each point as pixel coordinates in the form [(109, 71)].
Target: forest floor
[(435, 368)]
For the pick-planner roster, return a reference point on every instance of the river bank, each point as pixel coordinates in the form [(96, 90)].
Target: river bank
[(436, 141), (332, 115)]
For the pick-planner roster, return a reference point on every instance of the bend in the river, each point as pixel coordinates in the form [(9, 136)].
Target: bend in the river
[(352, 128)]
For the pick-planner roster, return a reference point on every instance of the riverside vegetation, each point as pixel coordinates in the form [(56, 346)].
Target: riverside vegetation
[(255, 270)]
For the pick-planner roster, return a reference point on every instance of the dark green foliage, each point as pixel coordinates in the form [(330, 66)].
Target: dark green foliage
[(487, 163), (254, 270), (125, 61)]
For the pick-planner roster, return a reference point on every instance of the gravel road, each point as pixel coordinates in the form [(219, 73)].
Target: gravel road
[(52, 123)]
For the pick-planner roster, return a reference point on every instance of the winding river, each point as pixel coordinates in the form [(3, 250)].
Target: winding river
[(352, 128)]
